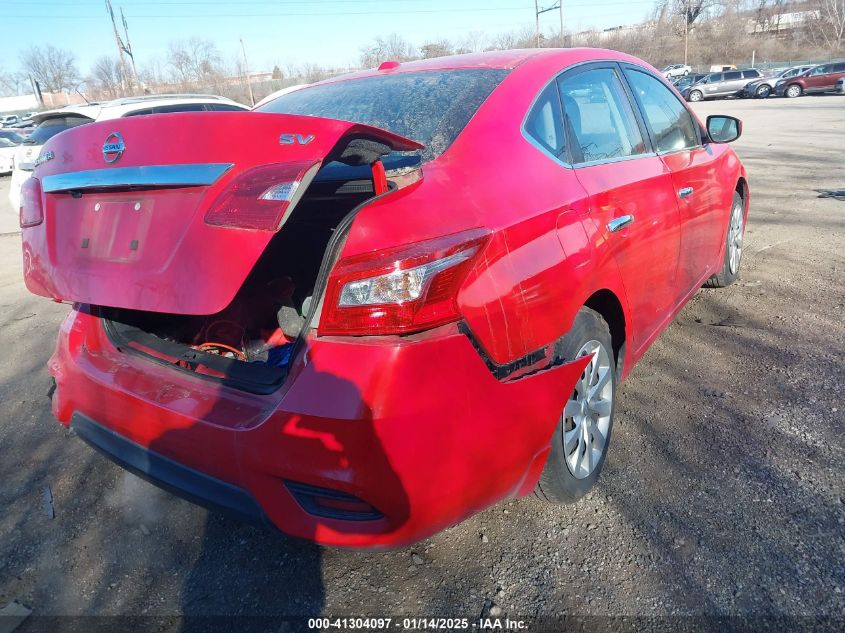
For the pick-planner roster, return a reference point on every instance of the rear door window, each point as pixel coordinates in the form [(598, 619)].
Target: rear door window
[(839, 68), (750, 74), (671, 125), (544, 123), (224, 107), (733, 76), (179, 107), (600, 117)]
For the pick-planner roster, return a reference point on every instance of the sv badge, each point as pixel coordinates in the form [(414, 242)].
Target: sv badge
[(299, 139)]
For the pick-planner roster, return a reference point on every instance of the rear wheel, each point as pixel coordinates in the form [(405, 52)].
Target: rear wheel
[(763, 91), (733, 247), (696, 95), (794, 91), (581, 438)]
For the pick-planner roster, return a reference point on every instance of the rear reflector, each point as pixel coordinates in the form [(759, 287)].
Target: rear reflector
[(32, 210), (332, 504), (263, 197)]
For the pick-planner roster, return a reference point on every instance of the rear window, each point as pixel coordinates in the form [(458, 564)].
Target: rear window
[(431, 107), (49, 128)]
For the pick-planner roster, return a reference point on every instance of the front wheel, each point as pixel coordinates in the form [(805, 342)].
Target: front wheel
[(581, 438), (733, 246), (696, 96), (793, 91), (763, 91)]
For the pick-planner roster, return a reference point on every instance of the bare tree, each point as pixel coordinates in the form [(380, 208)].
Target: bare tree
[(440, 48), (829, 23), (106, 78), (194, 61), (391, 47), (53, 68), (12, 83)]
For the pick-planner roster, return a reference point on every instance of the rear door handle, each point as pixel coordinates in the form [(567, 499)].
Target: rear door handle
[(620, 223), (685, 192)]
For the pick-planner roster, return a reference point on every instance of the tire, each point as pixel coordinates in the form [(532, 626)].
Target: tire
[(733, 258), (686, 72), (793, 91), (695, 96), (763, 91), (570, 474)]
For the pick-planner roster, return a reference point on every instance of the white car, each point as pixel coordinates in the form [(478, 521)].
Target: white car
[(52, 122), (8, 119), (7, 155), (676, 70)]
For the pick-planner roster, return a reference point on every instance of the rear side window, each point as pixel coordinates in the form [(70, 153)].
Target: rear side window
[(224, 107), (545, 122), (600, 116), (431, 107), (49, 128), (839, 68), (180, 107), (670, 123)]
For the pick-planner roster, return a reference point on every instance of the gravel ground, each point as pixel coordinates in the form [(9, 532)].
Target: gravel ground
[(722, 494)]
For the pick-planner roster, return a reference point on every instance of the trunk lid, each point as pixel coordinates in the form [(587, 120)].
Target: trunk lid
[(124, 204)]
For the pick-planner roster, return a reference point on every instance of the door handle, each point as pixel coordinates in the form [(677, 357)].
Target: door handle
[(685, 192), (620, 223)]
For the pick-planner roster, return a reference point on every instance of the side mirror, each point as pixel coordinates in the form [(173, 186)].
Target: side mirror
[(723, 129)]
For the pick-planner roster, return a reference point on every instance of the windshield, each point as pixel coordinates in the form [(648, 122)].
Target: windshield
[(431, 107), (49, 128)]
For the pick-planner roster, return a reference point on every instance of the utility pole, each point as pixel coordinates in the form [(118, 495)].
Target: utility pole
[(538, 11), (128, 47), (246, 72), (118, 43), (562, 41), (686, 32)]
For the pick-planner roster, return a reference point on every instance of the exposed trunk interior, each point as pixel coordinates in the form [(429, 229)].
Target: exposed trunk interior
[(248, 345)]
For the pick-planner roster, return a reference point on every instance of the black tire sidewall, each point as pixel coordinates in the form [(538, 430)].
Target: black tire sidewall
[(557, 483)]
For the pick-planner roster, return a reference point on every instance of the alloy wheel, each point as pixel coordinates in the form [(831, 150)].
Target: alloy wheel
[(793, 91), (586, 416), (763, 91), (695, 95), (735, 238)]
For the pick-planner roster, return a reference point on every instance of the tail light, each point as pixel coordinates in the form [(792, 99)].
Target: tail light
[(32, 210), (401, 290), (262, 197)]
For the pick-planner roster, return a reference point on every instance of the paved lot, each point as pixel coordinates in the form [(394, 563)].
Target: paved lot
[(722, 494)]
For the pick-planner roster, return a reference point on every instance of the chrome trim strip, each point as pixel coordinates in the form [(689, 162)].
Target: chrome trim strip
[(185, 175)]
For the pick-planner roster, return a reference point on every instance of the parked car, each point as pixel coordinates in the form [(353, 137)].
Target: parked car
[(676, 70), (681, 83), (718, 68), (12, 135), (726, 84), (820, 78), (7, 152), (362, 338), (8, 119), (51, 122), (762, 88)]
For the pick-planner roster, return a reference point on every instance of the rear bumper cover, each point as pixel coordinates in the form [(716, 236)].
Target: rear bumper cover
[(177, 478), (416, 427)]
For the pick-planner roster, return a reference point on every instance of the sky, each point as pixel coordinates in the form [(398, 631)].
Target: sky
[(322, 32)]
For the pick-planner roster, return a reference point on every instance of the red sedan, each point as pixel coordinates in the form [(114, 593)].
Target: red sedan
[(384, 302)]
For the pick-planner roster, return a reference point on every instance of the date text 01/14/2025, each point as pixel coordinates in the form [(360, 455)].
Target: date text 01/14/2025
[(416, 624)]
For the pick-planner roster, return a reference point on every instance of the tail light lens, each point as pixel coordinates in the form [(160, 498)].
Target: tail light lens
[(261, 198), (401, 290), (32, 210)]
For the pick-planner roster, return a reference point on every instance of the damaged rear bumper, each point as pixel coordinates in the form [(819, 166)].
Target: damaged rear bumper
[(370, 442)]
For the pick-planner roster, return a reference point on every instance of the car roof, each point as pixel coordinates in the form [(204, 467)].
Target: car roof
[(119, 107), (506, 60)]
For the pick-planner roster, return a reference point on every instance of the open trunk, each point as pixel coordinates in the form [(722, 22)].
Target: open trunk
[(208, 266)]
